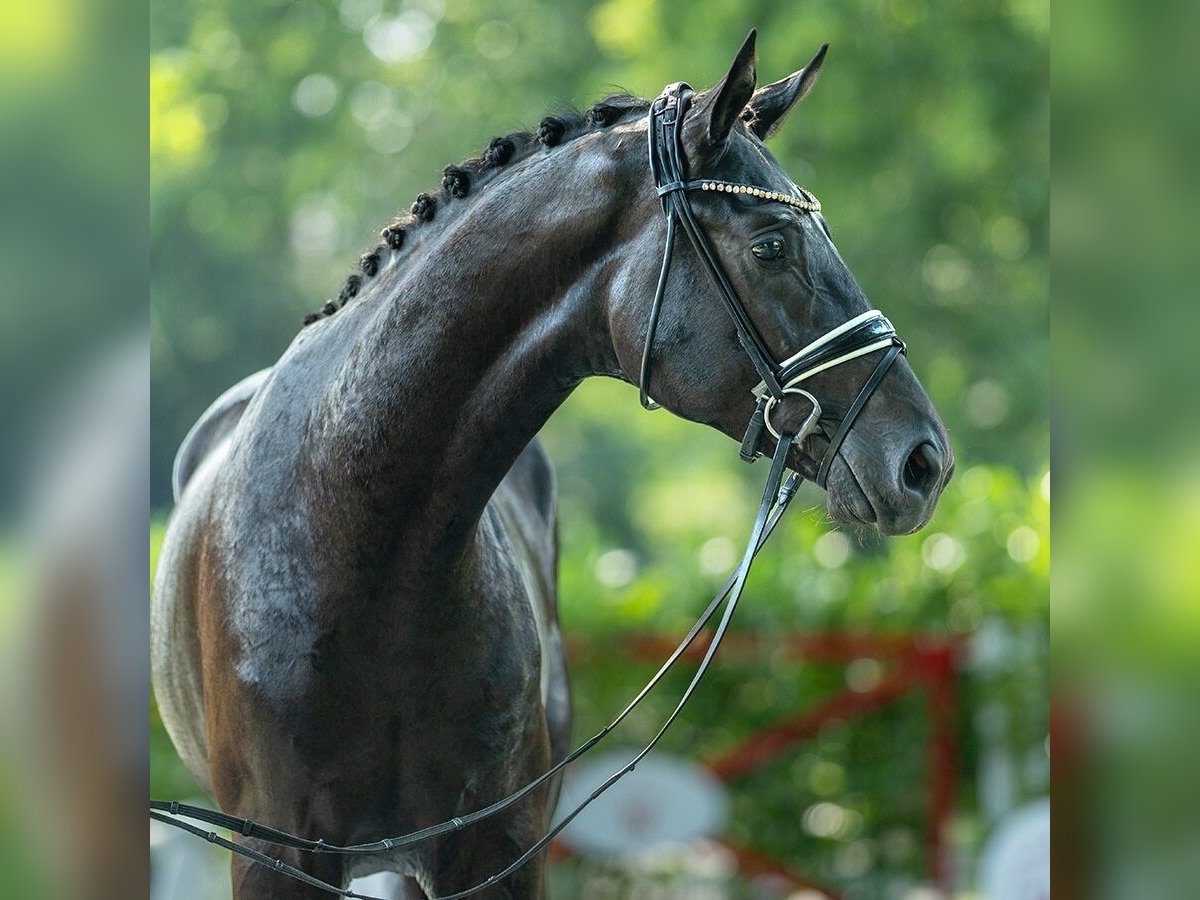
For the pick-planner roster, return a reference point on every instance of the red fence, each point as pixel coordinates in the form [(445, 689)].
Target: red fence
[(912, 663)]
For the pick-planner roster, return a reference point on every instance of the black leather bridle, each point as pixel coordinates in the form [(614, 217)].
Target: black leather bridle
[(863, 334)]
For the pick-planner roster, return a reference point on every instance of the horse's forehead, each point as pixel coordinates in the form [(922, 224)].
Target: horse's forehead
[(754, 163)]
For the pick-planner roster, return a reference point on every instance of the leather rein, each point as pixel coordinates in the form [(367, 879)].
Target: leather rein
[(861, 335)]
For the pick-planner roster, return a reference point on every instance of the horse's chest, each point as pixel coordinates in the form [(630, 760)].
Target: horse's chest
[(360, 684), (464, 662)]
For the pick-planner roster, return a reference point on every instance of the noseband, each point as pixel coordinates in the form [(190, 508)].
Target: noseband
[(857, 337)]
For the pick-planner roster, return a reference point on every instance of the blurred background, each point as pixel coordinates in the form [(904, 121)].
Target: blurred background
[(284, 135), (880, 725)]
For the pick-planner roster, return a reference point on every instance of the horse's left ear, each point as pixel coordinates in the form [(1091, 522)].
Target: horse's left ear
[(717, 109), (770, 105)]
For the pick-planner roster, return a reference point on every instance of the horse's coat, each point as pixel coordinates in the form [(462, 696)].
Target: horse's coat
[(355, 626)]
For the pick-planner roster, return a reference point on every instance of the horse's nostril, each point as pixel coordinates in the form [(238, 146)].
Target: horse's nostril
[(922, 468)]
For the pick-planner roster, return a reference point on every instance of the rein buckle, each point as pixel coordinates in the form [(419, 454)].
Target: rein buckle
[(749, 450)]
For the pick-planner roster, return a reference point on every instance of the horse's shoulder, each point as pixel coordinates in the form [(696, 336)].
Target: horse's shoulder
[(212, 427)]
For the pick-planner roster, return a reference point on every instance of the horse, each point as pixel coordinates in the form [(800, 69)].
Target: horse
[(354, 626)]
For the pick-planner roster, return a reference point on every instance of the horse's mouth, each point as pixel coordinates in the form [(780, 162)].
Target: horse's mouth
[(846, 500), (853, 501)]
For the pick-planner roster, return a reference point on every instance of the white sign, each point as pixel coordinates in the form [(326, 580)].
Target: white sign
[(666, 799), (1016, 861)]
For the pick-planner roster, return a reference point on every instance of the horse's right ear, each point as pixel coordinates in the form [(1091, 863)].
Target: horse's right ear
[(770, 105), (717, 109)]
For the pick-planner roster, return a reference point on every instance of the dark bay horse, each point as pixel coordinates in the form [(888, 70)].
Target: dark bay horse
[(354, 626)]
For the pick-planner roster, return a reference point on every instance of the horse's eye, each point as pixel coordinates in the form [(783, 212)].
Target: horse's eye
[(772, 248)]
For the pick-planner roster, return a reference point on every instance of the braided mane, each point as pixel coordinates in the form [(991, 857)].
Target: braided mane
[(459, 180)]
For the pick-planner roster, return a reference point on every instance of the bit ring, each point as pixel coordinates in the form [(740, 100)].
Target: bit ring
[(810, 423)]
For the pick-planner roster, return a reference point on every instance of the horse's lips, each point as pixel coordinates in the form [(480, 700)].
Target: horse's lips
[(848, 501), (851, 503)]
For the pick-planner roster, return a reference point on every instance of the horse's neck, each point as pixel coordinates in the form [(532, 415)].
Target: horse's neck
[(454, 369)]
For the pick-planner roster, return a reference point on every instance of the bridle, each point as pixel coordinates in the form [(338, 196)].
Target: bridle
[(861, 335), (857, 337)]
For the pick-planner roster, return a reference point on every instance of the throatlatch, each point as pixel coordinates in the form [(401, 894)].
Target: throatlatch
[(857, 337)]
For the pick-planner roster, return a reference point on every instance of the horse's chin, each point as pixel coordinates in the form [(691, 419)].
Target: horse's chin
[(847, 502), (845, 499)]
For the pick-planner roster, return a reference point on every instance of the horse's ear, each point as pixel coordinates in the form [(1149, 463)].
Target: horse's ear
[(718, 108), (770, 105)]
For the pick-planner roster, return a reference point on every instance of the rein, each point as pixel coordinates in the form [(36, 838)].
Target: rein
[(857, 337)]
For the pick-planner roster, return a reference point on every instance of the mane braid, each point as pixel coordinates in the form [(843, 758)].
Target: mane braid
[(424, 207), (498, 152), (369, 263), (393, 236), (550, 131), (353, 283), (458, 181)]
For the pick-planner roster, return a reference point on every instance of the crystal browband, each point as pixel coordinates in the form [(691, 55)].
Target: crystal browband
[(805, 201)]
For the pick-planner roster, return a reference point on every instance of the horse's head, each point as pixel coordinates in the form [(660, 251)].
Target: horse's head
[(782, 265)]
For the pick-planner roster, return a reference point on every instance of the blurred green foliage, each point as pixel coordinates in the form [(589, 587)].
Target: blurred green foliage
[(283, 135), (72, 208), (1127, 575)]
